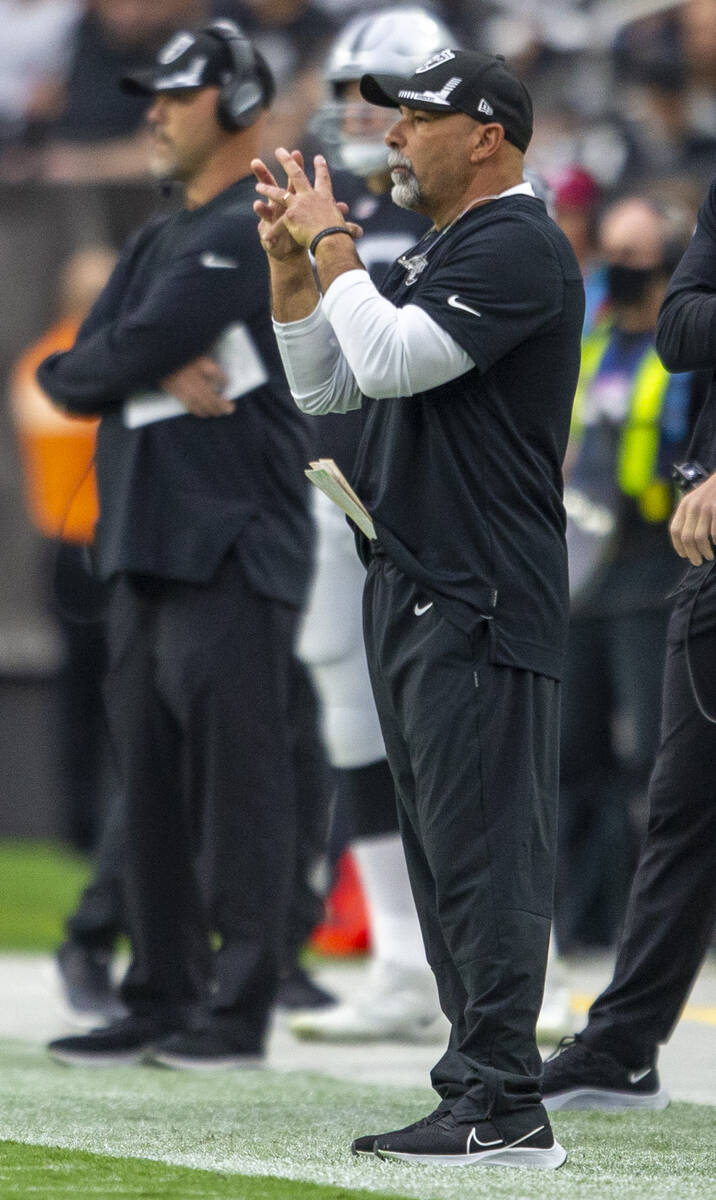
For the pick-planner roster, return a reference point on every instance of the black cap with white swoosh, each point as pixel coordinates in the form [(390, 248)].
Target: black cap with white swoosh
[(468, 81), (189, 60)]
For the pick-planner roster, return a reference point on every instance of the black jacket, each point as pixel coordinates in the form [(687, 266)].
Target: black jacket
[(686, 328), (175, 494)]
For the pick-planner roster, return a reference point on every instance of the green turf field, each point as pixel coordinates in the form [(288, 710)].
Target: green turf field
[(240, 1130), (40, 884), (51, 1172), (270, 1134)]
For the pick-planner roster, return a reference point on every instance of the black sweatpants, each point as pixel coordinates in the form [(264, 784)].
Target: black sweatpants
[(672, 905), (474, 753), (99, 918), (196, 693)]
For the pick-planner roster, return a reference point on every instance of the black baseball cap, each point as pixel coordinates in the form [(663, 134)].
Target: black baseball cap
[(187, 60), (468, 81)]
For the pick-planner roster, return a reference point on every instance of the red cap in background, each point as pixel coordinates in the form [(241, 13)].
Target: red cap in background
[(574, 188)]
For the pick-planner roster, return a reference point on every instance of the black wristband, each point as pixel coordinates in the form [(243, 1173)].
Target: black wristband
[(325, 232)]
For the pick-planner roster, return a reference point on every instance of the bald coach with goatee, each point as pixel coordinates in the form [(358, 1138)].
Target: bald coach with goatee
[(465, 365)]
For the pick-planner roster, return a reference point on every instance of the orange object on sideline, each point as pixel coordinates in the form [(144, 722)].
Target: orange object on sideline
[(345, 926), (57, 450)]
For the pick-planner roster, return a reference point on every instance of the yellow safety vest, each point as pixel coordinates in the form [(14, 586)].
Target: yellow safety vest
[(638, 452)]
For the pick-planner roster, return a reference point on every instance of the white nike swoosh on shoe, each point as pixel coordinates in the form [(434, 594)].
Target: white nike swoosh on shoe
[(208, 259), (472, 1137), (635, 1076), (526, 1136), (454, 302), (419, 609)]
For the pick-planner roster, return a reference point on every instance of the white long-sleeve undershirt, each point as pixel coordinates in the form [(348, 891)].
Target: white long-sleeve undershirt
[(355, 341), (317, 373)]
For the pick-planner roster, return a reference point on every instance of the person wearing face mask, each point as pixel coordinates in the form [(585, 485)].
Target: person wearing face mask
[(631, 418)]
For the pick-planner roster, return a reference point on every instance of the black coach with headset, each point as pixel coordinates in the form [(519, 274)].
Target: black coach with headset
[(205, 537)]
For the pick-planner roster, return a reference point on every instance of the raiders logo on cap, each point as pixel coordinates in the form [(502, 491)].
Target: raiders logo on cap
[(435, 60), (175, 48)]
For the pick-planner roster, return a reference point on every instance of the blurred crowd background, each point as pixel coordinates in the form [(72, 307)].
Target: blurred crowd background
[(625, 101)]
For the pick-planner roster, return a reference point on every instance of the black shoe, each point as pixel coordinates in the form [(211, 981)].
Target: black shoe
[(297, 990), (451, 1142), (87, 986), (206, 1049), (127, 1041), (365, 1144), (577, 1077)]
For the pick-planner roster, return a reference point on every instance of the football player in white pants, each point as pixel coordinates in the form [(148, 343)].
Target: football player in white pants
[(399, 998)]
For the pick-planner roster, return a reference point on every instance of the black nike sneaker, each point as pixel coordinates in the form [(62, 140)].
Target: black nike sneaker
[(206, 1049), (365, 1144), (525, 1140), (127, 1041), (577, 1077)]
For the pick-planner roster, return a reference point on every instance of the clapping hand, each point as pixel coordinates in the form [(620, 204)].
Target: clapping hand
[(291, 216)]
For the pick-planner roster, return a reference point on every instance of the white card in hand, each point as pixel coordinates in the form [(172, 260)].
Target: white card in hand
[(237, 355), (235, 352)]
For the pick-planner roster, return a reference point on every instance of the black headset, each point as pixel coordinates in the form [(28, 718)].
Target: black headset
[(249, 87)]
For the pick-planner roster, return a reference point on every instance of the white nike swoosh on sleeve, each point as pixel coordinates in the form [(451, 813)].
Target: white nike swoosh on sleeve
[(208, 259), (454, 302)]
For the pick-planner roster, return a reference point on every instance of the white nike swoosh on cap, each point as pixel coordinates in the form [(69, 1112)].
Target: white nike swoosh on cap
[(190, 78), (454, 302), (208, 259)]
